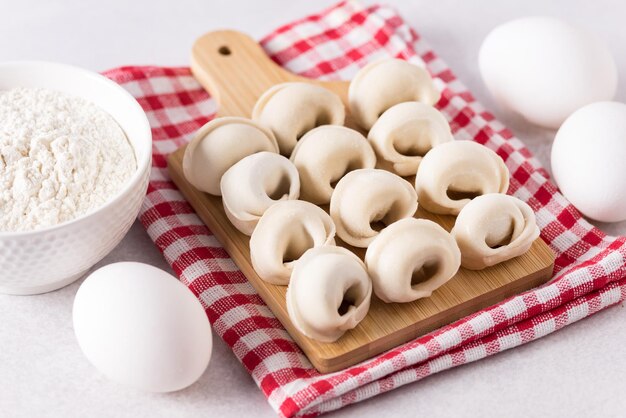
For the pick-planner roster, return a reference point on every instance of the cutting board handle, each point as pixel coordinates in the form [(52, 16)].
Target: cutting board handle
[(228, 63)]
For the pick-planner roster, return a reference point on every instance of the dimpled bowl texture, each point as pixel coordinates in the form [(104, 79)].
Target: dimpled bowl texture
[(47, 259)]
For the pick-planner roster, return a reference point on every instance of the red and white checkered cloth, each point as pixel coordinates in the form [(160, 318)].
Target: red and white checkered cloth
[(590, 266)]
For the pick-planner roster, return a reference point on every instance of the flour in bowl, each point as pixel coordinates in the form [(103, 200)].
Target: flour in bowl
[(60, 157)]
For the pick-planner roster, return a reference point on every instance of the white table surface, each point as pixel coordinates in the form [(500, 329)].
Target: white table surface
[(578, 371)]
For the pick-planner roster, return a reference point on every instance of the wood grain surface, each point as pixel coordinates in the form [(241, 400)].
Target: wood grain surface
[(236, 71)]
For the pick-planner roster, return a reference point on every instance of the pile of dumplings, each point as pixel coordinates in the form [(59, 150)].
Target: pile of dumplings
[(295, 180)]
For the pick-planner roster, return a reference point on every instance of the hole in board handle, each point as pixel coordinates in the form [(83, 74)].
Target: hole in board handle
[(224, 50)]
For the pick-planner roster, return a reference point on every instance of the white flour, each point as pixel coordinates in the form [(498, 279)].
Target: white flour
[(60, 157)]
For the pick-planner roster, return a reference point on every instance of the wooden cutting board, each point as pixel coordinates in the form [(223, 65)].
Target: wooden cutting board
[(236, 71)]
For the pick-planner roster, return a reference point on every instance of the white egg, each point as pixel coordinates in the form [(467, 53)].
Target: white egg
[(544, 68), (141, 327), (588, 158)]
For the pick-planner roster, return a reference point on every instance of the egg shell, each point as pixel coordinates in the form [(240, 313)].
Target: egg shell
[(545, 69), (142, 328), (588, 157)]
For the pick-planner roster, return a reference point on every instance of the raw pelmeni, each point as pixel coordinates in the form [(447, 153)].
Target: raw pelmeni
[(218, 145), (493, 228), (382, 84), (405, 133), (324, 155), (254, 184), (367, 200), (290, 110), (285, 231), (410, 259), (329, 293), (451, 174)]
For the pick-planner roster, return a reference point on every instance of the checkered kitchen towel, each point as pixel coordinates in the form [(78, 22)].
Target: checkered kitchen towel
[(590, 266)]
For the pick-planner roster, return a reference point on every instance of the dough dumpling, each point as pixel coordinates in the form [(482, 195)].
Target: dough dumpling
[(405, 133), (254, 184), (218, 145), (324, 155), (494, 228), (285, 231), (329, 293), (366, 201), (453, 173), (290, 110), (410, 259), (382, 84)]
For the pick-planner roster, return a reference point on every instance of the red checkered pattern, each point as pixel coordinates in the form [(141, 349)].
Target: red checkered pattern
[(590, 266)]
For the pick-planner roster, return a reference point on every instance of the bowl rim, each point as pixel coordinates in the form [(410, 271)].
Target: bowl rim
[(143, 165)]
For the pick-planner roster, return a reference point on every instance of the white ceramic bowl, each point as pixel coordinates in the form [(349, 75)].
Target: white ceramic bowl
[(49, 258)]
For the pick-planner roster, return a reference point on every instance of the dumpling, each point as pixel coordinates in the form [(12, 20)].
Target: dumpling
[(405, 133), (410, 259), (329, 293), (453, 173), (290, 110), (494, 228), (254, 184), (285, 231), (382, 84), (324, 155), (366, 201), (218, 145)]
